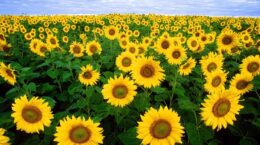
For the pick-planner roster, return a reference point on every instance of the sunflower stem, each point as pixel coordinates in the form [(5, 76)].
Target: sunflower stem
[(174, 86), (88, 101)]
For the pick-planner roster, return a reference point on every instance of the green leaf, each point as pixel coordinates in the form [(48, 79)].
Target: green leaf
[(52, 73), (193, 134), (129, 137), (159, 90), (31, 87), (50, 101), (186, 104)]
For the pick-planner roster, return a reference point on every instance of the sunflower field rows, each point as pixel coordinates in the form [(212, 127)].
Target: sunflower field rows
[(129, 79)]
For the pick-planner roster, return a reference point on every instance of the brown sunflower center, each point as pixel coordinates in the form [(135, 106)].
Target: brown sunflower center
[(126, 62), (124, 43), (141, 50), (120, 91), (43, 49), (9, 73), (212, 66), (87, 75), (176, 54), (216, 81), (160, 129), (165, 44), (76, 49), (246, 37), (221, 107), (186, 65), (242, 84), (53, 41), (93, 48), (31, 114), (112, 32), (6, 48), (132, 49), (2, 37), (227, 40), (252, 67), (194, 43), (147, 71), (203, 38), (79, 134)]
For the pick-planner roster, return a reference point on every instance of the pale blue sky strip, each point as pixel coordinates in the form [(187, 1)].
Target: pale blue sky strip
[(172, 7)]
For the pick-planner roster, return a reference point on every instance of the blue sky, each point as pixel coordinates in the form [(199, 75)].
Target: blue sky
[(173, 7)]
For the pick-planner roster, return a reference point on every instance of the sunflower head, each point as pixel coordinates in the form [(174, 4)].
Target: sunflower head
[(160, 126), (88, 75), (148, 72), (78, 130), (7, 73), (241, 83), (186, 68), (76, 49), (220, 108), (176, 55), (3, 139), (251, 64), (35, 113), (124, 61), (93, 47), (119, 91), (111, 32)]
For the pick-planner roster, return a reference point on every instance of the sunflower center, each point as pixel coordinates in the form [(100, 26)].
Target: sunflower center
[(79, 134), (216, 81), (221, 107), (6, 48), (120, 91), (227, 40), (126, 62), (204, 38), (141, 50), (194, 43), (124, 42), (53, 41), (87, 75), (132, 50), (242, 84), (176, 54), (76, 49), (186, 65), (252, 67), (212, 66), (112, 32), (165, 44), (31, 114), (2, 37), (93, 48), (160, 129), (147, 71), (9, 73), (43, 49), (246, 38)]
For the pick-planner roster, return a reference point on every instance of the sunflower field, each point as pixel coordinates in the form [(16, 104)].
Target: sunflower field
[(129, 80)]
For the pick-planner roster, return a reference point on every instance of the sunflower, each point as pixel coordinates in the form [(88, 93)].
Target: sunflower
[(147, 72), (215, 81), (78, 131), (119, 91), (141, 49), (132, 48), (42, 48), (176, 55), (186, 68), (241, 83), (193, 43), (111, 32), (7, 73), (31, 115), (163, 44), (123, 43), (88, 75), (211, 62), (3, 139), (33, 45), (227, 39), (160, 127), (220, 108), (76, 49), (251, 64), (52, 41), (124, 61), (93, 47)]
